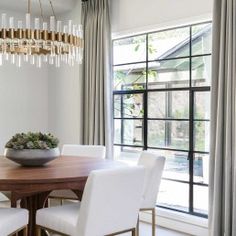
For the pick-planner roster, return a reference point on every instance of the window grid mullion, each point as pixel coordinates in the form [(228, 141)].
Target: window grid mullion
[(191, 130), (146, 118), (145, 101)]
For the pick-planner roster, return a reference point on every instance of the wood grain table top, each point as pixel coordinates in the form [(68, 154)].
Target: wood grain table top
[(64, 168)]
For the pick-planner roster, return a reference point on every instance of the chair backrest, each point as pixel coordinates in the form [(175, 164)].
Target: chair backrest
[(154, 166), (111, 201), (84, 150)]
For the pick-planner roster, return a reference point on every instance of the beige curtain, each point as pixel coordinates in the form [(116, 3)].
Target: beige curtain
[(97, 90), (222, 210)]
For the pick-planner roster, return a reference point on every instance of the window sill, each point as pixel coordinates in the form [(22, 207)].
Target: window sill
[(178, 221)]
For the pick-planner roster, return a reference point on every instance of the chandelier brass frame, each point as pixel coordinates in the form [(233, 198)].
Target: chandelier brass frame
[(54, 45), (40, 35)]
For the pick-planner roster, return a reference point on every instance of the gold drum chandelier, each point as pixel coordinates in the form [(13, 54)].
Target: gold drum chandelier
[(50, 43)]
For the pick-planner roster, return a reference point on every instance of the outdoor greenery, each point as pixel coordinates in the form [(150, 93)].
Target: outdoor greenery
[(31, 140)]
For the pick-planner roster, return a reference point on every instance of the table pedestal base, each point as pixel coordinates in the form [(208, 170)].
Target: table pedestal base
[(32, 204)]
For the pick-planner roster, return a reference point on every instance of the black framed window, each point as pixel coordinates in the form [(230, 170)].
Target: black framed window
[(162, 103)]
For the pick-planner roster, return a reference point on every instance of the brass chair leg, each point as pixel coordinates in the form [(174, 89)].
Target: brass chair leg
[(38, 231), (25, 231), (133, 232), (137, 227), (153, 222)]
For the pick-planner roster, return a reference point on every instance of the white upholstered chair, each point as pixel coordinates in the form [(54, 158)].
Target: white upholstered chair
[(96, 151), (13, 220), (109, 206), (154, 166)]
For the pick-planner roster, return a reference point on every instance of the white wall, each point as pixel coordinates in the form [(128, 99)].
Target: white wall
[(23, 98), (65, 88), (132, 16)]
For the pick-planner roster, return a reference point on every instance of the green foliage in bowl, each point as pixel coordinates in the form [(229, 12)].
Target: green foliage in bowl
[(32, 141)]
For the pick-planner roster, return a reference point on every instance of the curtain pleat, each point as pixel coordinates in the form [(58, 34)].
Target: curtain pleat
[(222, 196), (97, 89)]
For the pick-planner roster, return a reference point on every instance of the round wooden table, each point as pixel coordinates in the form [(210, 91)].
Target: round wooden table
[(32, 185)]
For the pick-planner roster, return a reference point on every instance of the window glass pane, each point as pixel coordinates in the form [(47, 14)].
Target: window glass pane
[(201, 71), (117, 105), (127, 154), (200, 199), (128, 106), (176, 165), (117, 131), (168, 134), (201, 168), (168, 74), (130, 77), (128, 132), (174, 195), (201, 39), (170, 104), (202, 105), (127, 50), (201, 136), (169, 44)]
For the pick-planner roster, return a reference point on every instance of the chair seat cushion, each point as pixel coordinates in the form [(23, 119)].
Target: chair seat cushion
[(12, 219), (61, 218)]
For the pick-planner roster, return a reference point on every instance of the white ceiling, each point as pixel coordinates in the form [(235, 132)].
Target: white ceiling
[(60, 6)]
